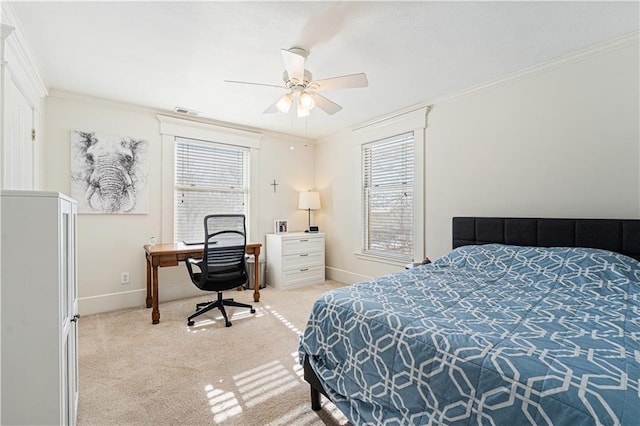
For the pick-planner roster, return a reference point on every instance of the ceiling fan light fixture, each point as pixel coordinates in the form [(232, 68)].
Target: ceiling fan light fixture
[(284, 103), (301, 110), (306, 101)]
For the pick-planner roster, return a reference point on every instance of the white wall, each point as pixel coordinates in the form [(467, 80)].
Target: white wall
[(110, 244), (562, 141), (561, 144)]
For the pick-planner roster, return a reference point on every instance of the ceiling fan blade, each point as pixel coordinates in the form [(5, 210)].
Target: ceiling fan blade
[(255, 84), (344, 82), (294, 64), (272, 108), (325, 104)]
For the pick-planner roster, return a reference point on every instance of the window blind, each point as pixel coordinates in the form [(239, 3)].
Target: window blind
[(388, 170), (210, 178)]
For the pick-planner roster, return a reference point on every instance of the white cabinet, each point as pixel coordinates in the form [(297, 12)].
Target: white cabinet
[(295, 259), (39, 309)]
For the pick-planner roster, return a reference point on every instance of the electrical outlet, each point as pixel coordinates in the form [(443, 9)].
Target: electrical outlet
[(124, 278)]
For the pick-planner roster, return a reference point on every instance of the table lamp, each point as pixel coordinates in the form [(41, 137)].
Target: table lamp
[(309, 200)]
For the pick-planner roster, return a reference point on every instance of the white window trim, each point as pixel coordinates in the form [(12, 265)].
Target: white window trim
[(170, 128), (416, 122)]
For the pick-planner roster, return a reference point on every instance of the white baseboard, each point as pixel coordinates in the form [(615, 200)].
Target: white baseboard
[(343, 276), (111, 302), (131, 299)]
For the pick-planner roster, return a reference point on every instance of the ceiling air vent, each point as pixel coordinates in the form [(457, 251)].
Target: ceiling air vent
[(187, 111)]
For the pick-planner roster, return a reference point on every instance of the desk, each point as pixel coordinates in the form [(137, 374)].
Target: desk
[(159, 255)]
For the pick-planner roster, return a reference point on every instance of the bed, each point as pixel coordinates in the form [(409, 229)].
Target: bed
[(525, 321)]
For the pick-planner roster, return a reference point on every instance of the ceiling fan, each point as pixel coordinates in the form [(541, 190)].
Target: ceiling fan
[(302, 90)]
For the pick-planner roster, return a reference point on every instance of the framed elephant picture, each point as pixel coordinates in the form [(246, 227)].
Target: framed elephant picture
[(109, 173)]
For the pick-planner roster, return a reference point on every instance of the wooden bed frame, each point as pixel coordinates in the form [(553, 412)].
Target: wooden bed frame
[(617, 235)]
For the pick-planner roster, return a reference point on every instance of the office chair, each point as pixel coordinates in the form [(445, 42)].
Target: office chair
[(223, 265)]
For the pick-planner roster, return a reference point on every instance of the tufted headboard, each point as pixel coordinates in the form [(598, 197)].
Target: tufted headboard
[(618, 235)]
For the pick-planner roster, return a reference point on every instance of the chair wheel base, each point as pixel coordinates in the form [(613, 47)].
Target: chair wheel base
[(219, 303)]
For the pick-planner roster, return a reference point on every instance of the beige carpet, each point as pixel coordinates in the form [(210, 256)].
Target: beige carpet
[(136, 373)]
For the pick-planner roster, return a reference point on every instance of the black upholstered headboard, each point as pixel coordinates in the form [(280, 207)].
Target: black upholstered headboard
[(619, 235)]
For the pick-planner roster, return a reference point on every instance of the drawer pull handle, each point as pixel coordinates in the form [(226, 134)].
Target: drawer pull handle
[(304, 254), (304, 269), (303, 241)]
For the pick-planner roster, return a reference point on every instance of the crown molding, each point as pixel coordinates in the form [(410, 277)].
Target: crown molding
[(26, 71), (598, 49), (231, 127), (203, 131)]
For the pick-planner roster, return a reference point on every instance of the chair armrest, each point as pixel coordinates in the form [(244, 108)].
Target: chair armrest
[(191, 261)]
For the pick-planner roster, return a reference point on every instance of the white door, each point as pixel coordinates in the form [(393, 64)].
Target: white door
[(69, 312), (17, 155)]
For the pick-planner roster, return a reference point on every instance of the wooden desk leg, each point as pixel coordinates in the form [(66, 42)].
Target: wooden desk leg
[(155, 313), (256, 276), (149, 300)]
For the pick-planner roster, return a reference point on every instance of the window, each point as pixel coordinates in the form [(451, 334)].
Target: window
[(388, 197), (210, 178)]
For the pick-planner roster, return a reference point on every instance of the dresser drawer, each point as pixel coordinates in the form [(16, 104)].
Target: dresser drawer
[(296, 261), (302, 245), (302, 276)]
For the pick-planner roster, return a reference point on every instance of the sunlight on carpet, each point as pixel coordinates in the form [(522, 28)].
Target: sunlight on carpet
[(259, 384), (254, 387), (284, 321), (223, 404)]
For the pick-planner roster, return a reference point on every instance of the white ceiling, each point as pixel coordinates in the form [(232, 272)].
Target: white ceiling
[(168, 54)]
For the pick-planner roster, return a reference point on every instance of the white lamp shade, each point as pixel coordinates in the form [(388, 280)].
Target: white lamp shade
[(309, 200), (284, 103), (307, 102), (302, 111)]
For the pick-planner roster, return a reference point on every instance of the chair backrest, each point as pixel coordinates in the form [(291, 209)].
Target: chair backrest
[(224, 264)]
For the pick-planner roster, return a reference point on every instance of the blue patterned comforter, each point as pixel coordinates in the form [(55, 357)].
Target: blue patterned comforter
[(489, 334)]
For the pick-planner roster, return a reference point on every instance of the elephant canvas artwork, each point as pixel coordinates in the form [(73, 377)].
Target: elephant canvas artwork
[(109, 173)]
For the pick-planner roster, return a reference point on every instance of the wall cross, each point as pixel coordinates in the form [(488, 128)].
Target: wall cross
[(274, 184)]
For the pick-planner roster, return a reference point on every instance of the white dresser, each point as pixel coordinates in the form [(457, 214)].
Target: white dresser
[(39, 309), (295, 259)]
